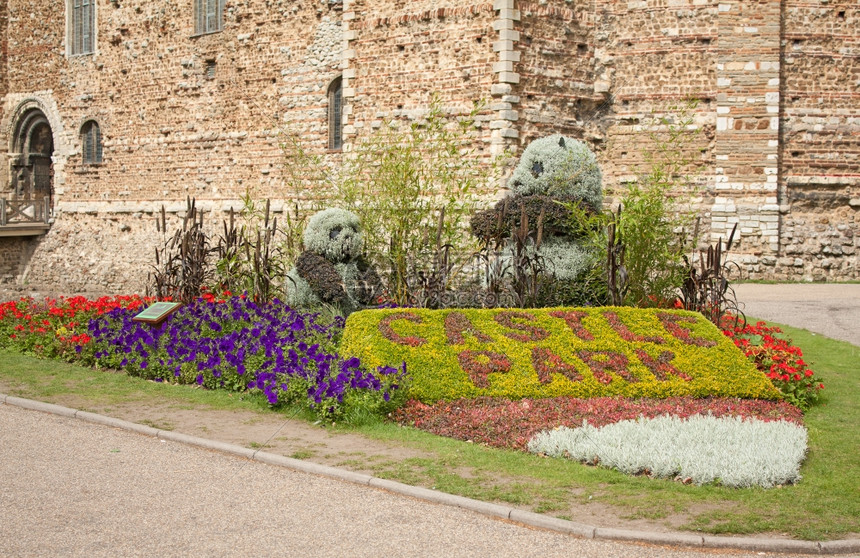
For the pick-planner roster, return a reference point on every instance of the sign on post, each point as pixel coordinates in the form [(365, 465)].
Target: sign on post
[(157, 313)]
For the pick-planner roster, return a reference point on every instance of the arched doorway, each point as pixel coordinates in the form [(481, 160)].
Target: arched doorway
[(32, 168)]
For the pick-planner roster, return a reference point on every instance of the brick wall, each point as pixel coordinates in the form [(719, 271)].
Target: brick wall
[(181, 115), (820, 150), (399, 53), (12, 255), (777, 131)]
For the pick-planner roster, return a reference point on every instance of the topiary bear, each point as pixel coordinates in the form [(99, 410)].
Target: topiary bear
[(552, 170), (331, 269)]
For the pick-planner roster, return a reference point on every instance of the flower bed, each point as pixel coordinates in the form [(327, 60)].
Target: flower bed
[(503, 423), (583, 353), (56, 327), (781, 361), (215, 342), (585, 429), (508, 374), (238, 345)]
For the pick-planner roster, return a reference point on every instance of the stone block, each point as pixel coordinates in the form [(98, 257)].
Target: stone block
[(500, 89)]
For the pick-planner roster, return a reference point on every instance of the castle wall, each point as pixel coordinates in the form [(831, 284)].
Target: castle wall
[(400, 53), (557, 91), (13, 251), (820, 148), (180, 115), (4, 45), (659, 63), (774, 141)]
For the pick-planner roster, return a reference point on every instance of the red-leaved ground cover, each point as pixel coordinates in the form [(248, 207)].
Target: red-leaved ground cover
[(499, 422)]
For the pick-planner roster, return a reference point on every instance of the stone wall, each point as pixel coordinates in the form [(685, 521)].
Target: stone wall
[(398, 54), (4, 45), (558, 89), (820, 147), (775, 144), (180, 115), (14, 252)]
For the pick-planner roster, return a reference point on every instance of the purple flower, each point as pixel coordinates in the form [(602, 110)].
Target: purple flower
[(270, 346)]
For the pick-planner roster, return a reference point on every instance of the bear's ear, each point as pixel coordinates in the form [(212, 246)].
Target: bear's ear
[(561, 142)]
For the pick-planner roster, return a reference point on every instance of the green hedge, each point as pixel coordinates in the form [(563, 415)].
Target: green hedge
[(548, 352)]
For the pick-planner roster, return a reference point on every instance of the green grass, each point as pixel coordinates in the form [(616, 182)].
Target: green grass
[(49, 380), (824, 505)]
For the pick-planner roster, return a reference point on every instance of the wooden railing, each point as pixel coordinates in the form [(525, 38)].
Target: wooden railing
[(24, 211)]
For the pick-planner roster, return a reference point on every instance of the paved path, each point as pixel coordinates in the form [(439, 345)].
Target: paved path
[(829, 309)]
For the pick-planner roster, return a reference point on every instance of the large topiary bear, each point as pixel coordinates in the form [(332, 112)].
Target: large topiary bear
[(552, 170), (331, 270)]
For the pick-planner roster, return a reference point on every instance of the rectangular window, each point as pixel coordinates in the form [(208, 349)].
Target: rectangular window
[(335, 115), (208, 16), (92, 140), (83, 26)]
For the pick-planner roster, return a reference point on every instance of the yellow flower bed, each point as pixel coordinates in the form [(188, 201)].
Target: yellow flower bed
[(548, 352)]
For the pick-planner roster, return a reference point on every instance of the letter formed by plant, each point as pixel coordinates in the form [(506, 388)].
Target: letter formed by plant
[(331, 270), (554, 172)]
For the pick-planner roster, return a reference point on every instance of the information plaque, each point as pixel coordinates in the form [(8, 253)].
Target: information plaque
[(157, 312)]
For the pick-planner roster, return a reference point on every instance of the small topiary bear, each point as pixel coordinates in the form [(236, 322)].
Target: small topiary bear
[(331, 269)]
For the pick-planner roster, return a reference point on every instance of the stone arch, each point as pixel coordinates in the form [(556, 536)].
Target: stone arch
[(31, 158), (14, 117), (35, 143)]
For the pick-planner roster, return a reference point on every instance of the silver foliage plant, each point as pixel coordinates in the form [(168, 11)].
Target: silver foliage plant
[(730, 451), (566, 259), (559, 166)]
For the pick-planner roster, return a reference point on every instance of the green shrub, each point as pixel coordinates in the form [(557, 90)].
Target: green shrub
[(651, 230), (414, 186)]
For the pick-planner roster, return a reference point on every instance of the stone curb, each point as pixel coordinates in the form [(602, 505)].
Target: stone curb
[(531, 519)]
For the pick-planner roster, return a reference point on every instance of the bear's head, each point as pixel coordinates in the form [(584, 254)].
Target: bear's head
[(559, 166), (334, 233)]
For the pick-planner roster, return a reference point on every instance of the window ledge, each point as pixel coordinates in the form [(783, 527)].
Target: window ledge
[(204, 33), (88, 168)]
